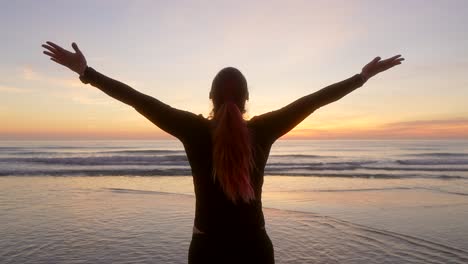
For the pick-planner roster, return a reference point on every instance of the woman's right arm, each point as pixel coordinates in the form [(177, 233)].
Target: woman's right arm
[(174, 121)]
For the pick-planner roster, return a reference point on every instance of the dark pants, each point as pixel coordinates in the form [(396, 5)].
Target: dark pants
[(255, 247)]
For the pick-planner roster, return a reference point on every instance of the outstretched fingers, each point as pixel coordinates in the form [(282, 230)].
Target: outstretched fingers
[(53, 52), (75, 61), (374, 61), (393, 59), (376, 65), (75, 47), (392, 62), (53, 55), (50, 48), (398, 61), (55, 46)]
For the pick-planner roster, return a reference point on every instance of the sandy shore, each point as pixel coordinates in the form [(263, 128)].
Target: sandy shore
[(139, 220)]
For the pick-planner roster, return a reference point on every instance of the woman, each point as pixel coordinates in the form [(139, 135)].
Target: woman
[(227, 154)]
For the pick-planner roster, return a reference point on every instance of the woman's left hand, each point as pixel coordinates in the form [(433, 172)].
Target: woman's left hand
[(377, 66)]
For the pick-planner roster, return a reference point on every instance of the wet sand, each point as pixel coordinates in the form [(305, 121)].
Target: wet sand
[(143, 220)]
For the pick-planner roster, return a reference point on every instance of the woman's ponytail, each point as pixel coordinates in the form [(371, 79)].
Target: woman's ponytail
[(232, 153)]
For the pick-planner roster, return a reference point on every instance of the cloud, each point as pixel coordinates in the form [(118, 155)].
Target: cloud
[(87, 95), (442, 128), (87, 99), (29, 74), (455, 128)]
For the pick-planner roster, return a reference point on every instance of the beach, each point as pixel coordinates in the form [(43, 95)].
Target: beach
[(324, 202), (358, 109)]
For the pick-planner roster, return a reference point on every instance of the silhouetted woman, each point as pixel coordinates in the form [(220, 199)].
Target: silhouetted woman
[(227, 154)]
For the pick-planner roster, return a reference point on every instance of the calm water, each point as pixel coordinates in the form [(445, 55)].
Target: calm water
[(377, 159), (325, 202)]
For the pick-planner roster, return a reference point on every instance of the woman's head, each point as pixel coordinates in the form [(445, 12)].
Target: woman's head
[(229, 85), (232, 148)]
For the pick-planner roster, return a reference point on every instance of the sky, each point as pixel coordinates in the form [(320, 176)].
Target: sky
[(172, 50)]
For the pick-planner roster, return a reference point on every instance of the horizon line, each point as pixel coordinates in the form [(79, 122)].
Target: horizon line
[(280, 139)]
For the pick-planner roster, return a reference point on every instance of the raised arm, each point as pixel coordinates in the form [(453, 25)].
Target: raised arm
[(277, 123), (174, 121)]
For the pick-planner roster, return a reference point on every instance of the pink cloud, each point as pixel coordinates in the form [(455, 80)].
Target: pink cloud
[(456, 128)]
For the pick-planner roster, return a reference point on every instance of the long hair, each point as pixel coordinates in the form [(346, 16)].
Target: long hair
[(232, 148)]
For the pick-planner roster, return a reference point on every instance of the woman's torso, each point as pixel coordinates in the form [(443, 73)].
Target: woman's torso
[(214, 212)]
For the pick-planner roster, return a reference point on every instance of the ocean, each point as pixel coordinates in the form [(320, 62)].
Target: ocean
[(329, 201)]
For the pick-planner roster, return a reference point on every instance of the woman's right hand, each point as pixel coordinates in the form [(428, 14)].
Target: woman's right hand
[(74, 61)]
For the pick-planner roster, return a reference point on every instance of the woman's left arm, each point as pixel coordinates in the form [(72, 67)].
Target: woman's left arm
[(279, 122)]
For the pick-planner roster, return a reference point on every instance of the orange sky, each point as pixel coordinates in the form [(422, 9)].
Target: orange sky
[(172, 51)]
